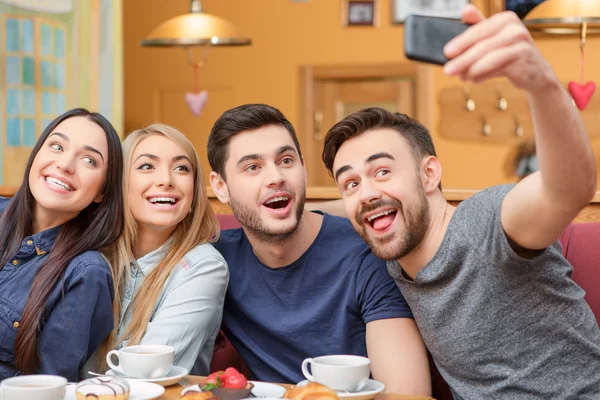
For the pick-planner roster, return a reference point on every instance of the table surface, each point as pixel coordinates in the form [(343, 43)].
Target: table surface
[(174, 392)]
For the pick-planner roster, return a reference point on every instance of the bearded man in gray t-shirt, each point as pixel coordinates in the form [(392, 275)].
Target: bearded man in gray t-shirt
[(486, 281)]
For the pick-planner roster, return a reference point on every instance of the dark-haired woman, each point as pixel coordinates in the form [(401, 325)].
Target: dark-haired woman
[(56, 288)]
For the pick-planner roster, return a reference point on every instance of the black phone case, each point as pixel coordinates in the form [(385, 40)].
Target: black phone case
[(425, 37)]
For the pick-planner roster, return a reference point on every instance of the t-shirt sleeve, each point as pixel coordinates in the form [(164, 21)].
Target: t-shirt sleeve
[(378, 296), (483, 228)]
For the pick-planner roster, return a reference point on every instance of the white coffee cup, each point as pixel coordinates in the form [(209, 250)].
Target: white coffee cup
[(33, 387), (143, 361), (345, 373)]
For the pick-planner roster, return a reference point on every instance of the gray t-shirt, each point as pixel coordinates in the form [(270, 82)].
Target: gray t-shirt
[(497, 325)]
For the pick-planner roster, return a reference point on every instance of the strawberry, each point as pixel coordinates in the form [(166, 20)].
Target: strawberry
[(214, 380), (232, 378), (235, 381)]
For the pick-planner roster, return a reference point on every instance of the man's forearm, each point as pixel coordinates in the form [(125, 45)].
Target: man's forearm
[(566, 160)]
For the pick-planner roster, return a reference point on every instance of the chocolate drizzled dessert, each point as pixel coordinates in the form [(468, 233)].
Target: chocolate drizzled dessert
[(102, 388)]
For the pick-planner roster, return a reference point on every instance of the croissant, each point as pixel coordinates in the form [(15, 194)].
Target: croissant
[(195, 395), (312, 391)]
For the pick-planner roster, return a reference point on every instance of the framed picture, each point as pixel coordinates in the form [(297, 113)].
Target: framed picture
[(438, 8), (359, 12), (520, 7)]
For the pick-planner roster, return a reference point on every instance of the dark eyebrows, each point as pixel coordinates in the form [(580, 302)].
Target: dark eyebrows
[(249, 157), (182, 157), (285, 148), (155, 158), (370, 159), (341, 170), (61, 135), (377, 156), (252, 157), (88, 148), (150, 156)]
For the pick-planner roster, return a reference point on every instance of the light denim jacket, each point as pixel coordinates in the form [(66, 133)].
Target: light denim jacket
[(189, 310)]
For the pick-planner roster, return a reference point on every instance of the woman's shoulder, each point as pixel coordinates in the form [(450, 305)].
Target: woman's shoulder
[(203, 257), (89, 268), (204, 251), (90, 260)]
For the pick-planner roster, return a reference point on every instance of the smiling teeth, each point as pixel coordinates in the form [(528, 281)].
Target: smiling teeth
[(280, 198), (58, 183), (163, 199), (381, 214)]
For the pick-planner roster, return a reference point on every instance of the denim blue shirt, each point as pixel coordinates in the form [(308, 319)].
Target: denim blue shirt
[(74, 324)]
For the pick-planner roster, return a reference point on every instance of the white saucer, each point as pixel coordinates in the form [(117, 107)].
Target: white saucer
[(268, 390), (139, 391), (175, 375), (371, 389)]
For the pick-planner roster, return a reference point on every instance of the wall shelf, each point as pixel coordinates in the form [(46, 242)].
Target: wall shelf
[(496, 112)]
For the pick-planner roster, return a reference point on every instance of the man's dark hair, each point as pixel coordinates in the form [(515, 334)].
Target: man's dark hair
[(367, 119), (246, 117)]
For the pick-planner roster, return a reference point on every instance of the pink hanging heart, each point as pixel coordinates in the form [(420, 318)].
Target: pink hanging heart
[(582, 94), (196, 101)]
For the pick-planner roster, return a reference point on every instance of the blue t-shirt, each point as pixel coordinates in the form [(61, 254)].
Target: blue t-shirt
[(320, 304)]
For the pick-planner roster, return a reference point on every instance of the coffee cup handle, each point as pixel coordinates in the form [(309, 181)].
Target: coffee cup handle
[(110, 363), (307, 374)]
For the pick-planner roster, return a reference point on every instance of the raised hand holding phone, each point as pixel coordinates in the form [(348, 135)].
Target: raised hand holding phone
[(501, 46), (498, 46)]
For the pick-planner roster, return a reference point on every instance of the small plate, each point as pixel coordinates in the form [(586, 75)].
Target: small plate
[(139, 391), (371, 389), (268, 390), (175, 375)]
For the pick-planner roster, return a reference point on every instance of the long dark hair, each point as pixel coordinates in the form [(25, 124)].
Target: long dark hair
[(96, 227)]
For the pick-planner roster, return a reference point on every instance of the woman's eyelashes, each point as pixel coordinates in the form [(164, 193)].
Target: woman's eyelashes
[(87, 159), (145, 166), (183, 168), (180, 167), (56, 146)]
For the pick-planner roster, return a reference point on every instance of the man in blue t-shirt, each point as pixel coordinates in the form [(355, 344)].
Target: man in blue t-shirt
[(302, 284)]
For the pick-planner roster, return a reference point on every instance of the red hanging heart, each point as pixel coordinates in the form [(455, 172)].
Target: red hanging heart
[(196, 101), (582, 94)]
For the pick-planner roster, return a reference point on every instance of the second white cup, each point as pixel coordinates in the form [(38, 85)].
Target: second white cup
[(345, 373), (33, 387), (142, 361)]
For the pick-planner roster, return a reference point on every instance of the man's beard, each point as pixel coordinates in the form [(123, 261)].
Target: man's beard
[(253, 224), (416, 225)]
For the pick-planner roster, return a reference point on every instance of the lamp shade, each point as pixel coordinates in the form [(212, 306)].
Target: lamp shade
[(195, 29), (564, 17)]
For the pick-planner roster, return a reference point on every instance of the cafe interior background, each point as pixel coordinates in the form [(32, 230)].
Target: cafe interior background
[(136, 62)]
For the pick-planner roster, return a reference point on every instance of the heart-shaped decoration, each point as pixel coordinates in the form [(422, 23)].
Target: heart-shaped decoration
[(582, 94), (196, 101)]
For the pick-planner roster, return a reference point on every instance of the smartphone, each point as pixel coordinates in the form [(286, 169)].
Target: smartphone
[(426, 36)]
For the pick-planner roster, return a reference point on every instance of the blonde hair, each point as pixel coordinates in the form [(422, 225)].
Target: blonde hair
[(198, 226)]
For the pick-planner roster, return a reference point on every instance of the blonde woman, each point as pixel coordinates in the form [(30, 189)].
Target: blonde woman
[(171, 281)]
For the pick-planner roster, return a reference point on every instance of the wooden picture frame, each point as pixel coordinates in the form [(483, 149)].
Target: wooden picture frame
[(520, 7), (360, 12), (438, 8)]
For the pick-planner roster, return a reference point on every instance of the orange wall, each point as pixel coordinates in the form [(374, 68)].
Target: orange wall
[(285, 36)]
